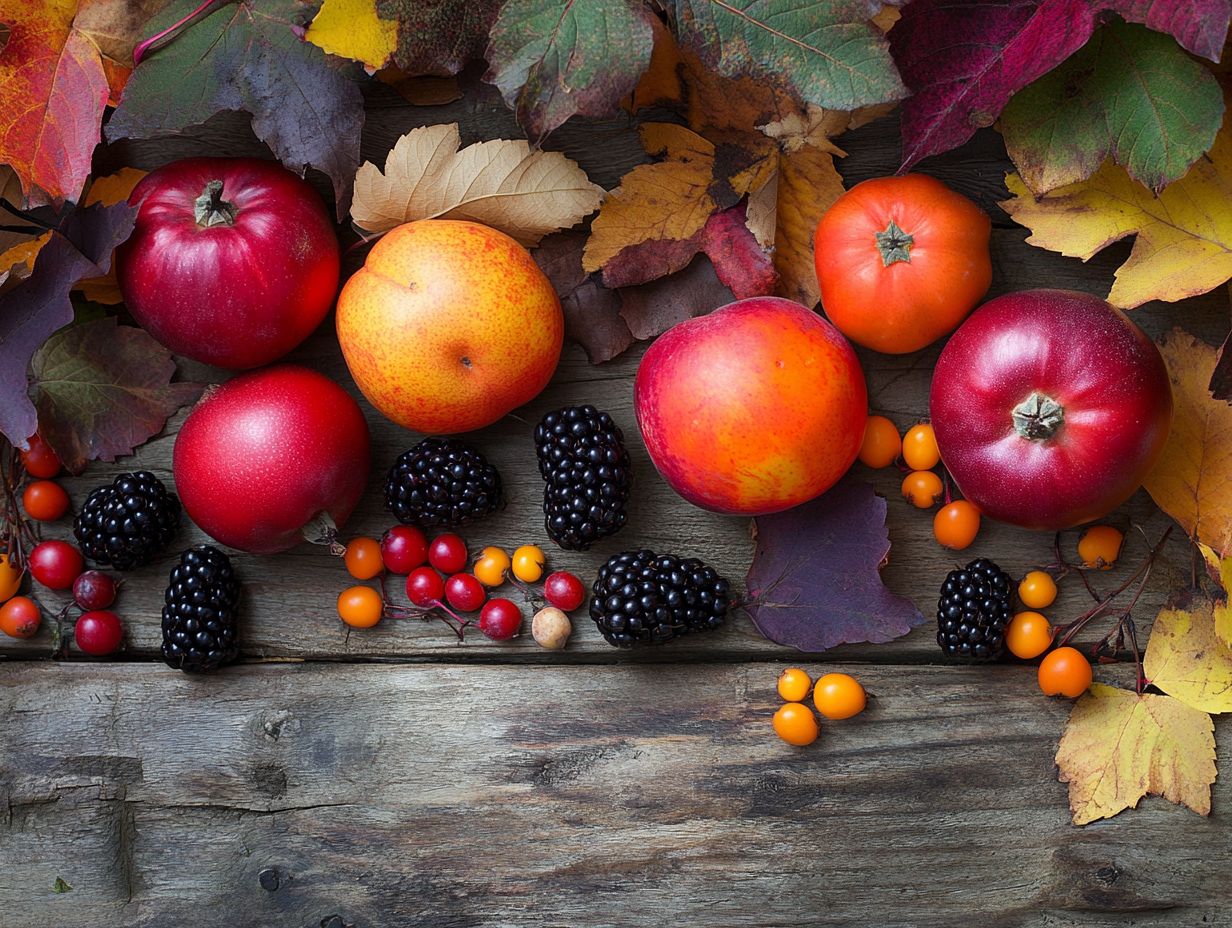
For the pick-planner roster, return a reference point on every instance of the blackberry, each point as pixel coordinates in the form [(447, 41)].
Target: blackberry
[(200, 609), (586, 468), (128, 522), (442, 481), (973, 611), (642, 598)]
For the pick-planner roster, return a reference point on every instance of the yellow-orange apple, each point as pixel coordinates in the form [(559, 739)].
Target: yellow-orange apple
[(753, 409), (449, 325)]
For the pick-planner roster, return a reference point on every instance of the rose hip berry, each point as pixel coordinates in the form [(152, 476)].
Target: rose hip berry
[(403, 548), (464, 592), (447, 553), (39, 460), (55, 564), (500, 619), (564, 591), (94, 590), (20, 617), (424, 587), (99, 632)]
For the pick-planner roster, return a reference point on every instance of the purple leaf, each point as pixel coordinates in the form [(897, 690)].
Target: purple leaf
[(35, 308), (652, 309), (1198, 25), (592, 312), (815, 581), (102, 389)]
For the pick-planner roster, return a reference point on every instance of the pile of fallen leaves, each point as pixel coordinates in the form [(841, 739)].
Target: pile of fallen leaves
[(1109, 109)]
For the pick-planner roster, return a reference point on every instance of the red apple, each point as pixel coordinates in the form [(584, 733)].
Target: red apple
[(233, 261), (268, 453), (755, 408)]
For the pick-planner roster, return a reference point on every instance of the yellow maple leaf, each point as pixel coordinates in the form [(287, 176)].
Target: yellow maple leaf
[(108, 191), (1192, 480), (1184, 235), (1186, 660), (1119, 746), (352, 29), (501, 183), (666, 201), (1221, 572)]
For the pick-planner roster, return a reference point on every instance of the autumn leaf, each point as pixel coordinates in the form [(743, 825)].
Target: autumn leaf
[(815, 581), (115, 27), (352, 29), (1119, 747), (963, 61), (1129, 94), (823, 51), (1192, 480), (1186, 659), (39, 305), (439, 36), (108, 191), (52, 95), (421, 90), (551, 60), (502, 183), (1221, 572), (592, 311), (660, 82), (102, 389), (247, 56), (17, 261), (1184, 235), (649, 310)]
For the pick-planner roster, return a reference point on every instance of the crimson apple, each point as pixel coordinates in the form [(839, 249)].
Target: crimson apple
[(1049, 407), (268, 453), (752, 409), (232, 261)]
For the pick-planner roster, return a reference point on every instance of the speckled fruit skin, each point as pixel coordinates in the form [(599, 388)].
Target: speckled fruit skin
[(263, 454), (449, 325), (236, 296), (755, 408), (1090, 358)]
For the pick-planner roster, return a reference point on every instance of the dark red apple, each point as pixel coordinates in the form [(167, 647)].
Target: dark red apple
[(1049, 407), (233, 261), (268, 453)]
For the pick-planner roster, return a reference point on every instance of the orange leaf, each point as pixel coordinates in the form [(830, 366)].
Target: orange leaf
[(52, 95), (1192, 480), (108, 191)]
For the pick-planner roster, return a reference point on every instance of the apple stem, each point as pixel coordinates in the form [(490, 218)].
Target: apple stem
[(894, 244), (1038, 417), (211, 209)]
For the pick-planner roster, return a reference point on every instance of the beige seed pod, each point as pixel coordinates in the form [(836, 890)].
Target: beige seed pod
[(551, 628)]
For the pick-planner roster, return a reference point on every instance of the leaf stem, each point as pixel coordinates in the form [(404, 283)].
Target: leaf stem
[(157, 41), (27, 216)]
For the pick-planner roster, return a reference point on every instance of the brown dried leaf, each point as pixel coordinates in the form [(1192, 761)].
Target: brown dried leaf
[(501, 183)]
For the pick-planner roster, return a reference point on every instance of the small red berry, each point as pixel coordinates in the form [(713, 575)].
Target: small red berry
[(403, 548), (45, 500), (464, 592), (39, 460), (424, 587), (564, 591), (94, 590), (20, 617), (447, 553), (500, 619), (55, 564), (99, 632)]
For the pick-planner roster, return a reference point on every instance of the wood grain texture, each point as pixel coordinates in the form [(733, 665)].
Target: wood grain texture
[(567, 796)]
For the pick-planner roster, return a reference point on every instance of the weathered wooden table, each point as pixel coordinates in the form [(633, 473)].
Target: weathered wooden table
[(396, 777)]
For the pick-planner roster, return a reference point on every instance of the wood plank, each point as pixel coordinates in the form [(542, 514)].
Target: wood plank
[(569, 796)]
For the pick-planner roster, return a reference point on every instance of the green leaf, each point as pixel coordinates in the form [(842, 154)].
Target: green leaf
[(824, 51), (1129, 93), (60, 886), (247, 56), (554, 58), (102, 389)]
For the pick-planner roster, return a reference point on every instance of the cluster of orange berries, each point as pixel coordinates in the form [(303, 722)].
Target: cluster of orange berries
[(957, 522), (836, 696), (438, 578), (1064, 671)]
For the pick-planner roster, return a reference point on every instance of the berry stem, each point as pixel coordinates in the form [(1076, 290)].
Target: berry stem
[(1143, 572), (533, 599)]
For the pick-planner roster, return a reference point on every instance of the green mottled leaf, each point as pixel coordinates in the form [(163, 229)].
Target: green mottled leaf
[(60, 885), (439, 36), (824, 51), (1129, 93), (247, 56), (102, 389), (554, 58)]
